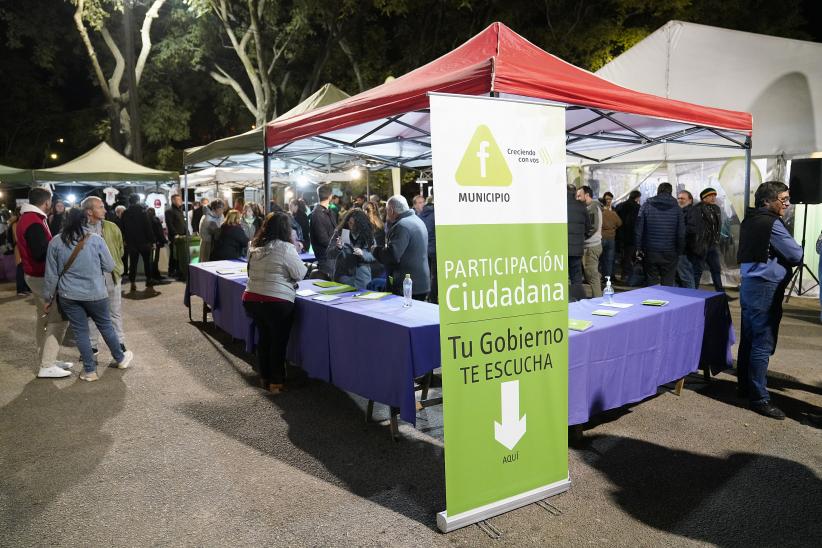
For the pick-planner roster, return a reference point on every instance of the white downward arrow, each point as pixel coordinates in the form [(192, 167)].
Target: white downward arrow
[(512, 428)]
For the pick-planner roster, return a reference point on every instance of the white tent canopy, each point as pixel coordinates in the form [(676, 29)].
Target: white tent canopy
[(249, 177), (777, 80)]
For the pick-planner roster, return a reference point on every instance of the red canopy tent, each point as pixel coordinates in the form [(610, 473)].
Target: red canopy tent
[(388, 125)]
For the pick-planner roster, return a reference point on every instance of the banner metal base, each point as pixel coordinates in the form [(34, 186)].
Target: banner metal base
[(447, 523)]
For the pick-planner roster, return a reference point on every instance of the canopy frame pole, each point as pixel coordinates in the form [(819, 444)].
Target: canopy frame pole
[(267, 179), (747, 176), (610, 116), (737, 143), (185, 194), (578, 155)]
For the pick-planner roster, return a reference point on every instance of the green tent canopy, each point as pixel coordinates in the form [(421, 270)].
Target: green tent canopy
[(102, 164), (253, 142), (20, 177)]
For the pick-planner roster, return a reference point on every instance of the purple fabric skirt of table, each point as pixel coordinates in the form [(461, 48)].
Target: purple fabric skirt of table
[(376, 348), (372, 348), (624, 359), (8, 268)]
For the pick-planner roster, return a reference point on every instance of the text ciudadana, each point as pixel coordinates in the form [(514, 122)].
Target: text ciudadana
[(462, 295)]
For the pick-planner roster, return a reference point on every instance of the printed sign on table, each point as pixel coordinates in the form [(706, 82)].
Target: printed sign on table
[(499, 180)]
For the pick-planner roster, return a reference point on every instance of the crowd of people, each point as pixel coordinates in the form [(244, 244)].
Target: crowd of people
[(670, 241), (74, 277), (666, 240), (73, 261), (359, 242)]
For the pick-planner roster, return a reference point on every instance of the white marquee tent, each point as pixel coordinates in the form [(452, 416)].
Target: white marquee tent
[(777, 80)]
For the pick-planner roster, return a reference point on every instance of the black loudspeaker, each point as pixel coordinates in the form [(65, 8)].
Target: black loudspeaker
[(806, 181)]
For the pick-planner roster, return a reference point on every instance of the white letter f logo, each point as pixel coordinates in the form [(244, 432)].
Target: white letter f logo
[(482, 155)]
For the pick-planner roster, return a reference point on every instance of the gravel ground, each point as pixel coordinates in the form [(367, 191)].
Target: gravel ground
[(183, 449)]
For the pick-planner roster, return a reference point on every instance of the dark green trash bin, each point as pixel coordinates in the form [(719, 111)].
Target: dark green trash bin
[(187, 251)]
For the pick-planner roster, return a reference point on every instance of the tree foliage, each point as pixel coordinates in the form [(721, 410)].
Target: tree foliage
[(218, 67)]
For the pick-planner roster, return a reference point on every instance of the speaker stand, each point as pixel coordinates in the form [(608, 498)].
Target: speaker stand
[(800, 271)]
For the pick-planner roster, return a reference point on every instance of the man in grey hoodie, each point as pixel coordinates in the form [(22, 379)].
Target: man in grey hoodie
[(592, 247)]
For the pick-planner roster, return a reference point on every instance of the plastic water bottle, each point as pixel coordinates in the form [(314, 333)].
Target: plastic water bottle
[(407, 291), (608, 292)]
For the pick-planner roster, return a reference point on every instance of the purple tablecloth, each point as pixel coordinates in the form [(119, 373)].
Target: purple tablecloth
[(372, 348), (625, 358), (376, 348)]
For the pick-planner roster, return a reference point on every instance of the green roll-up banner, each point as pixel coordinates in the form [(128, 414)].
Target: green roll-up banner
[(499, 181)]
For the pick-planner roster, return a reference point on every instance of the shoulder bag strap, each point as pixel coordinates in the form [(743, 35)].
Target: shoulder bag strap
[(77, 249)]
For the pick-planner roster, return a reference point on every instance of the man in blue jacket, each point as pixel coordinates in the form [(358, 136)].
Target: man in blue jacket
[(767, 254), (660, 236)]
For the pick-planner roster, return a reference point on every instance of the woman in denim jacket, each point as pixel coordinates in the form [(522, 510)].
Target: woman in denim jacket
[(82, 290)]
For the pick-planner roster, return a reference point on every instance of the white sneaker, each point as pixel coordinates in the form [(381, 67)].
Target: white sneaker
[(90, 376), (126, 361), (53, 372), (64, 365)]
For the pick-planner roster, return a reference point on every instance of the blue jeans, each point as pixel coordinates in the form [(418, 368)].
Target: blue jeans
[(685, 272), (78, 313), (756, 297), (606, 260), (698, 265)]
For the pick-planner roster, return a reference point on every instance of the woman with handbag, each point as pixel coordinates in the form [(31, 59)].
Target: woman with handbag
[(75, 266)]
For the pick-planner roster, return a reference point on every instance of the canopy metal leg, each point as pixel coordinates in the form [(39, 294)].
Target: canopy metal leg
[(747, 200)]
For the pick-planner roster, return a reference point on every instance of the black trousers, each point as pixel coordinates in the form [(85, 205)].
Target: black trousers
[(143, 252), (433, 295), (173, 269), (155, 262), (627, 262), (273, 320), (660, 268), (22, 286), (576, 291)]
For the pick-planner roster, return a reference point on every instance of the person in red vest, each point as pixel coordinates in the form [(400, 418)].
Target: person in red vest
[(33, 237)]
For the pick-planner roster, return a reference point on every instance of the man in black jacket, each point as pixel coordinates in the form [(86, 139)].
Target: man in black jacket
[(138, 237), (579, 228), (703, 245), (176, 225), (628, 211), (322, 226), (660, 235), (767, 254), (684, 270), (197, 215)]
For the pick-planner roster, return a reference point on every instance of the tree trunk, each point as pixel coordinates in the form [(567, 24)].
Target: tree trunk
[(355, 66), (134, 134), (311, 85)]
